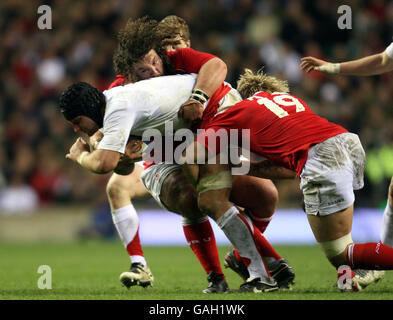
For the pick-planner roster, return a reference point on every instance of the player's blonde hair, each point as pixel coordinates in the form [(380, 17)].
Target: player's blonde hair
[(171, 26), (249, 83)]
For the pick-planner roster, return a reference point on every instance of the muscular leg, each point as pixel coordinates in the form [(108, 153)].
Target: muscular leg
[(372, 255), (258, 195), (120, 190), (215, 202), (179, 196), (330, 228)]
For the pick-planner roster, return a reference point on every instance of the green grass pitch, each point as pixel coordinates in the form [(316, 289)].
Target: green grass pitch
[(90, 271)]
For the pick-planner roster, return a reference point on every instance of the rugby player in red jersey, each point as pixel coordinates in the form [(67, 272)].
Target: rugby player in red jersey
[(328, 159)]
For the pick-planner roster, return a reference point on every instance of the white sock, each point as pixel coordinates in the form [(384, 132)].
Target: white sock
[(241, 237), (138, 259), (126, 221), (387, 226)]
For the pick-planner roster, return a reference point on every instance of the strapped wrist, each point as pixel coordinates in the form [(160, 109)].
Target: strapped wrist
[(95, 144), (81, 157), (199, 95), (331, 68)]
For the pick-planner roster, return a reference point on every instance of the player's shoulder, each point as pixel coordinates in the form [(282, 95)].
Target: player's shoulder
[(164, 81), (185, 54), (118, 99), (117, 92)]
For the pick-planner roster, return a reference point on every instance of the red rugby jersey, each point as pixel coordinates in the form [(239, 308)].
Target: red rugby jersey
[(282, 127), (190, 61)]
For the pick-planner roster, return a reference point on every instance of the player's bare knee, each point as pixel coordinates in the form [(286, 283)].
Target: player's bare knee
[(271, 196), (116, 191), (112, 189), (208, 204), (188, 203)]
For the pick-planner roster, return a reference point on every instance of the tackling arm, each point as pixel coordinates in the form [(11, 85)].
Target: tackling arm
[(212, 72), (211, 75), (269, 170), (367, 66)]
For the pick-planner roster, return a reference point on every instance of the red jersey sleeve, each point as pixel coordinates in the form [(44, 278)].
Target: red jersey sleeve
[(189, 60), (119, 81)]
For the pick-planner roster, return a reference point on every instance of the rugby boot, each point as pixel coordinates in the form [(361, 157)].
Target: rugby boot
[(217, 283), (139, 275), (230, 261), (282, 272), (259, 285), (280, 269), (364, 278)]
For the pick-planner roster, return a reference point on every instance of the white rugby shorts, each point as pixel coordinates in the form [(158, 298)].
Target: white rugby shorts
[(154, 176), (334, 168)]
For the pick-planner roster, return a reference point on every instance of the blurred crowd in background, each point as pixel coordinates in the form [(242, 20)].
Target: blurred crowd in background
[(37, 65)]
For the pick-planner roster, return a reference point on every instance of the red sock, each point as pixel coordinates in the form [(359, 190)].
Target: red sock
[(134, 248), (372, 255), (257, 239), (260, 223), (202, 242), (264, 245)]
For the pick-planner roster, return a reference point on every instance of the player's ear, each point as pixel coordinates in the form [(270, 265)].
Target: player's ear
[(74, 126), (188, 43)]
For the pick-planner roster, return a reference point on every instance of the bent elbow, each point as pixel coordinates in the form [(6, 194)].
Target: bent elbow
[(221, 67), (386, 62)]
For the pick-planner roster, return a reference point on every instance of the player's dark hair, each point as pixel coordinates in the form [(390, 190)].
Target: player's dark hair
[(135, 40), (82, 99)]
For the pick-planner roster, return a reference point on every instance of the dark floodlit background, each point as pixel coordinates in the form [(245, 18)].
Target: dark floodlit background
[(37, 184)]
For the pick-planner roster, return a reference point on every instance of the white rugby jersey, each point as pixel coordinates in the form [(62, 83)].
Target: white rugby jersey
[(147, 104), (389, 51)]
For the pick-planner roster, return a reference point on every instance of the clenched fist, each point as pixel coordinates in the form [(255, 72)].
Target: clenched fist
[(191, 111)]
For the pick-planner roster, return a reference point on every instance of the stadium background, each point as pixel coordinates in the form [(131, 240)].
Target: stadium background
[(45, 196)]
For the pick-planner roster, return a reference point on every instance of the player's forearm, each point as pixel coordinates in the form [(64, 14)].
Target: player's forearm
[(94, 162), (367, 66), (211, 75), (269, 170)]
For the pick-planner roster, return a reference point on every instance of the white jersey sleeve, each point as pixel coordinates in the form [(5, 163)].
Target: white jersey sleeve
[(389, 51), (149, 104), (118, 122), (121, 114)]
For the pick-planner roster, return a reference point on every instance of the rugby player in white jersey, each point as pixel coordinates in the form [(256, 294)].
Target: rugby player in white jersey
[(130, 110), (367, 66), (122, 188)]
